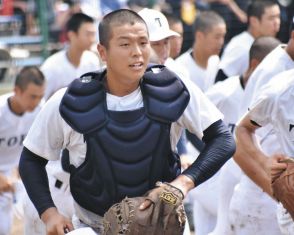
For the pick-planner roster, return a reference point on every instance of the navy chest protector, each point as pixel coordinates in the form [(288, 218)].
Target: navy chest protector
[(127, 151)]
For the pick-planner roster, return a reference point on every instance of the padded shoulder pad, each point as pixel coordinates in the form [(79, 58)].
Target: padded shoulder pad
[(165, 95), (83, 104)]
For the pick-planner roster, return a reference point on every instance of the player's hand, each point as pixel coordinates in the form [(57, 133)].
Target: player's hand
[(276, 166), (56, 224), (6, 185)]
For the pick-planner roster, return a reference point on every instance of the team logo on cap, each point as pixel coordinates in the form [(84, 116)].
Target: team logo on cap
[(158, 21)]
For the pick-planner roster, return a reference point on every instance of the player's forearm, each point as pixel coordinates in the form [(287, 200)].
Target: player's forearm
[(253, 170), (250, 158), (247, 145), (219, 147), (241, 15), (33, 174)]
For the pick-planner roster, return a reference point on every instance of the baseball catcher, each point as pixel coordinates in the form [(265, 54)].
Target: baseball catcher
[(165, 215), (283, 187)]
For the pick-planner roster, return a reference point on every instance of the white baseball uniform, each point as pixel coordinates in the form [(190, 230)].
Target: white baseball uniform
[(274, 105), (227, 96), (275, 62), (235, 58), (13, 130), (58, 77), (57, 134), (59, 72), (203, 78), (242, 208)]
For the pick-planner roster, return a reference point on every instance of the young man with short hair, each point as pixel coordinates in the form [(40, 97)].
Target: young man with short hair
[(17, 112), (263, 20), (127, 139)]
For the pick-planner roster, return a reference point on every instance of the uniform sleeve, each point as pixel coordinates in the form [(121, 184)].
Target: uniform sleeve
[(48, 131), (200, 112), (234, 60), (263, 108)]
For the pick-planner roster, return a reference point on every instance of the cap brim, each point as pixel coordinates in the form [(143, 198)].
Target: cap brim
[(162, 35)]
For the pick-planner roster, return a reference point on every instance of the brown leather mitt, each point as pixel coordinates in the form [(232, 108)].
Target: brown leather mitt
[(283, 188), (165, 216)]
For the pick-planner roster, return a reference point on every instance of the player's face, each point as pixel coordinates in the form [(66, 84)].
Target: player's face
[(214, 39), (30, 97), (127, 56), (161, 49), (85, 37), (176, 42), (269, 24)]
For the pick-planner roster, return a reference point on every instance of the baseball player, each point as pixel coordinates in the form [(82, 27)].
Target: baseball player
[(283, 56), (227, 96), (273, 106), (76, 59), (203, 59), (266, 71), (124, 144), (263, 20), (176, 43), (73, 62), (17, 112)]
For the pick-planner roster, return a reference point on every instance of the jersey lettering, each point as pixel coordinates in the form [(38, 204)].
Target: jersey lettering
[(12, 141)]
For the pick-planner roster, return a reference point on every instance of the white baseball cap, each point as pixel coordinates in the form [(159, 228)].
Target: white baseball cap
[(157, 25)]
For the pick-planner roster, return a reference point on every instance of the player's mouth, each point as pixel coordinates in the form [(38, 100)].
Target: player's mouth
[(137, 66)]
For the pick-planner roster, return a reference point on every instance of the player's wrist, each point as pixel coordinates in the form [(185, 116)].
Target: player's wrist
[(48, 214), (183, 183)]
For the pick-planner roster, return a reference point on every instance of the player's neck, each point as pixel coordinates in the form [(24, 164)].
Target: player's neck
[(74, 56), (254, 33), (14, 106), (119, 87), (200, 57)]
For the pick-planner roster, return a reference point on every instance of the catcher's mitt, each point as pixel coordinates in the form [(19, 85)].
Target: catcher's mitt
[(165, 216), (283, 188)]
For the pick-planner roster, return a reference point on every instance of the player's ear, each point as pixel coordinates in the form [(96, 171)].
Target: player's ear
[(253, 21), (102, 51), (17, 90), (70, 35), (253, 63)]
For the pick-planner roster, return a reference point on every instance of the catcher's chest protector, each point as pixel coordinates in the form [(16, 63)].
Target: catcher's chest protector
[(127, 151)]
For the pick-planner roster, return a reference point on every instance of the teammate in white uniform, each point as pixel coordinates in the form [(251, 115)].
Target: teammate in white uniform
[(227, 96), (17, 112), (263, 20), (62, 67), (281, 56), (273, 106), (203, 59), (125, 47), (72, 63)]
